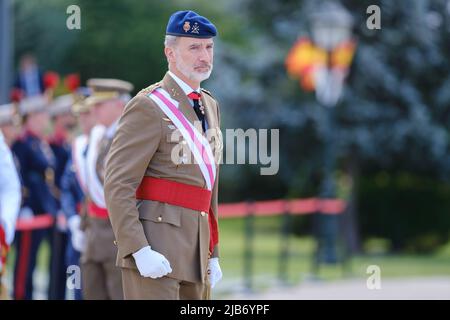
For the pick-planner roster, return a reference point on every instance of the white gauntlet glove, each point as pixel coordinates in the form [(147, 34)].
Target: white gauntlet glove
[(151, 263), (78, 239), (214, 271)]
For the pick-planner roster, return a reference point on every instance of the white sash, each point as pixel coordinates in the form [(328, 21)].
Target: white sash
[(94, 185), (79, 160), (197, 143)]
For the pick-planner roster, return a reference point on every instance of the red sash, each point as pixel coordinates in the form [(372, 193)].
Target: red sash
[(182, 195), (96, 211)]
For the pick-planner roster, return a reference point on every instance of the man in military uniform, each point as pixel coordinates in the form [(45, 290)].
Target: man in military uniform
[(101, 278), (163, 207), (10, 196), (37, 167), (60, 111), (73, 185)]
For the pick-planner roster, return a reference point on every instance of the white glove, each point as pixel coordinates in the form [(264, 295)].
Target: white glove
[(78, 239), (214, 271), (151, 263), (61, 222)]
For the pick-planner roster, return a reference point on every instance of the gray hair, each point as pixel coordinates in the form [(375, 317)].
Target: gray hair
[(170, 41)]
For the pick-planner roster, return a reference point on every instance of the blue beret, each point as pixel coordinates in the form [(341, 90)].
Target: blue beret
[(190, 24)]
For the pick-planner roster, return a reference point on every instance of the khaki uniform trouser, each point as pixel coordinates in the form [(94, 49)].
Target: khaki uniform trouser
[(136, 287), (101, 281)]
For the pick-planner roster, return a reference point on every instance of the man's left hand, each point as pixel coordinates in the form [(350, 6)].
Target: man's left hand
[(214, 271)]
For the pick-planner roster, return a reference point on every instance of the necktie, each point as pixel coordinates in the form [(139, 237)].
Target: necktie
[(195, 97)]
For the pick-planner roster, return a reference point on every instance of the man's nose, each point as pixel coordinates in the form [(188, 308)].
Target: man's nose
[(204, 55)]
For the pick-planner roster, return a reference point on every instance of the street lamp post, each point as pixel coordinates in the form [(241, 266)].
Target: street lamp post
[(5, 49), (331, 26)]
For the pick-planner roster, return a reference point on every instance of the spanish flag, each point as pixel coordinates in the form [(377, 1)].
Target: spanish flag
[(303, 60), (342, 55)]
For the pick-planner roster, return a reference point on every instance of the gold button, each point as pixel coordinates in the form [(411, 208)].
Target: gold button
[(203, 213), (115, 242), (159, 219)]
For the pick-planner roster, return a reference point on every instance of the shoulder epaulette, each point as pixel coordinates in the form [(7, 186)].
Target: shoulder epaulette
[(149, 89), (208, 93)]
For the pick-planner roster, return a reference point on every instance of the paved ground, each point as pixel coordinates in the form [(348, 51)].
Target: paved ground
[(391, 289)]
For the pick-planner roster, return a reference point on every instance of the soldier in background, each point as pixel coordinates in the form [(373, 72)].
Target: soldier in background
[(74, 186), (10, 196), (101, 278), (63, 122), (37, 169)]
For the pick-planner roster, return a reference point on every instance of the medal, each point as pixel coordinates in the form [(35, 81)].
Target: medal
[(202, 108)]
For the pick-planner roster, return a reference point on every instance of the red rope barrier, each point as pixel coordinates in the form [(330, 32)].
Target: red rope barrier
[(278, 207), (41, 221), (231, 210)]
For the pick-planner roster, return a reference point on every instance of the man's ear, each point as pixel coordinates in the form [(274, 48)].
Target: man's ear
[(170, 54)]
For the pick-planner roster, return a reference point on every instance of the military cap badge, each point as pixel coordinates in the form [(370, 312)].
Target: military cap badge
[(186, 26)]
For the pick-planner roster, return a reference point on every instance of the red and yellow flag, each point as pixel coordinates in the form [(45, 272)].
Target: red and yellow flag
[(304, 59), (342, 55)]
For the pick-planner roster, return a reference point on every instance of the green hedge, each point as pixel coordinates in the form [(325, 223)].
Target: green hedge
[(412, 212)]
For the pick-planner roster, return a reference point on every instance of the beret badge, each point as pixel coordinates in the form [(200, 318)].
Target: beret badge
[(195, 28), (186, 26)]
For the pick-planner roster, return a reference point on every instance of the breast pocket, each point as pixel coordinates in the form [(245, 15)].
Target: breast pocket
[(159, 212), (170, 139), (215, 141), (178, 149), (173, 135)]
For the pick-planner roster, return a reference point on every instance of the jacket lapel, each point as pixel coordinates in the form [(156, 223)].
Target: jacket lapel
[(208, 112), (185, 107), (178, 95)]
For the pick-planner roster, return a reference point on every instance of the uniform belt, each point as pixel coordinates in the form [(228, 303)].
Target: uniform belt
[(174, 193), (96, 211), (181, 195)]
